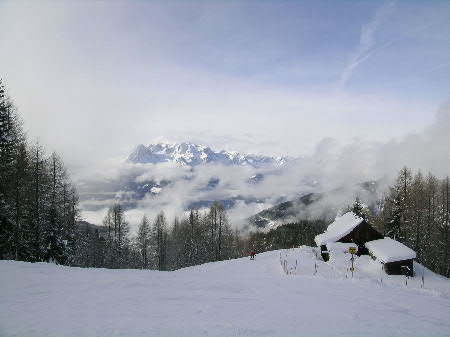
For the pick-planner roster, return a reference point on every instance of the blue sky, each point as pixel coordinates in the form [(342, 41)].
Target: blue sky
[(259, 76)]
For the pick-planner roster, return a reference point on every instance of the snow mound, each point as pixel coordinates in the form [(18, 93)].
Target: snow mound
[(387, 250), (338, 229)]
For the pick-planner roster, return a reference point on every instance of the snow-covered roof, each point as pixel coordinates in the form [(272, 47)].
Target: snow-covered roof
[(387, 250), (338, 229)]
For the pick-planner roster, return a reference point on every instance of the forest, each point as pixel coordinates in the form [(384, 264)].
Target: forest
[(415, 210), (200, 238), (38, 203), (40, 218)]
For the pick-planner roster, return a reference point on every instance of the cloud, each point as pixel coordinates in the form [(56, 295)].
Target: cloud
[(334, 169), (102, 77), (367, 41), (99, 82), (427, 150)]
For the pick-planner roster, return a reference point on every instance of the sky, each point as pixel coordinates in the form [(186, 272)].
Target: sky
[(92, 79)]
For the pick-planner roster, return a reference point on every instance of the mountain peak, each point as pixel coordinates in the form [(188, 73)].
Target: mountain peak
[(190, 154)]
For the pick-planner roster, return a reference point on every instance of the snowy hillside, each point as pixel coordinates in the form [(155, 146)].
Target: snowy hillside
[(193, 155), (230, 298)]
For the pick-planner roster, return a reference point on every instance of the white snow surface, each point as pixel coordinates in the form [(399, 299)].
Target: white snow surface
[(387, 250), (155, 190), (338, 229), (230, 298)]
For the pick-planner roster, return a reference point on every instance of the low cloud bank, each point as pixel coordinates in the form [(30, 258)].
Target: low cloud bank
[(333, 169)]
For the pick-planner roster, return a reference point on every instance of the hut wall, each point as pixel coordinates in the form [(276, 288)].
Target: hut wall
[(360, 235), (395, 268)]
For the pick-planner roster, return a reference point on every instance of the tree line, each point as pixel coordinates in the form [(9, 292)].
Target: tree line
[(38, 203), (290, 235), (415, 210), (198, 238)]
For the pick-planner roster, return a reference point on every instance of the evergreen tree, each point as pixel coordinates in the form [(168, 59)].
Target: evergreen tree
[(175, 247), (37, 218), (430, 230), (415, 212), (399, 199), (54, 238), (358, 208), (444, 267), (143, 241), (159, 242), (116, 237), (415, 229), (8, 142), (71, 218), (21, 182)]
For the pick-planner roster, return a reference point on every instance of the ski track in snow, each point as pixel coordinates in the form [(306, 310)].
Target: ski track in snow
[(230, 298)]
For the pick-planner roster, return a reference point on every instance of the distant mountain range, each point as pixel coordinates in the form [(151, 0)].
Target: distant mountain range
[(129, 190), (193, 155)]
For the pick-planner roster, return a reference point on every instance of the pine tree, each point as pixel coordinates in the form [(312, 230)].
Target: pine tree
[(417, 219), (212, 220), (116, 237), (400, 207), (122, 241), (431, 211), (444, 267), (175, 247), (143, 241), (71, 218), (54, 238), (21, 182), (38, 213), (8, 142), (358, 208), (159, 242)]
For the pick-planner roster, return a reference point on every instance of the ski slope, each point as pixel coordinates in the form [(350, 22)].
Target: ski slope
[(230, 298)]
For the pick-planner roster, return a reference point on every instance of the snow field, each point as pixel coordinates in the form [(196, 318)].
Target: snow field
[(230, 298), (309, 262)]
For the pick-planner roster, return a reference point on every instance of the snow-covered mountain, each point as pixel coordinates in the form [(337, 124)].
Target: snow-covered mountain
[(193, 155), (135, 182)]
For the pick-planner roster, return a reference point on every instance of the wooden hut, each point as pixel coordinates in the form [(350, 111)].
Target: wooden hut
[(396, 257), (348, 228)]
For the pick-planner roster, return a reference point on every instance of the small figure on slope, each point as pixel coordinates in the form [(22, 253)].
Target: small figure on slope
[(252, 255)]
